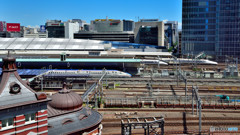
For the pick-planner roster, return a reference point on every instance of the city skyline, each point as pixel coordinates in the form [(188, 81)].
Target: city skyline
[(31, 14)]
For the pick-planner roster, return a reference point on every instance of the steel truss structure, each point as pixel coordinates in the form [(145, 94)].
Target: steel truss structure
[(150, 125)]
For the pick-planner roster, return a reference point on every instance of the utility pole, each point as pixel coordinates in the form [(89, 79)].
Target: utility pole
[(150, 84), (41, 78), (199, 105)]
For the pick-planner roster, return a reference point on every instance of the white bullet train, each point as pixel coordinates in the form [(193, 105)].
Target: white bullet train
[(189, 61), (153, 62), (91, 73)]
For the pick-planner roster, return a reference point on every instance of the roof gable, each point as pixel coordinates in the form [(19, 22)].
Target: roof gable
[(8, 98)]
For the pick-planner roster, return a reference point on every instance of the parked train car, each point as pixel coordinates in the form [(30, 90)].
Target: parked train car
[(153, 62), (91, 73), (189, 61)]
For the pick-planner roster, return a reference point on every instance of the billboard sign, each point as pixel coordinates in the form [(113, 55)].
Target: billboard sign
[(13, 27), (55, 24), (42, 28)]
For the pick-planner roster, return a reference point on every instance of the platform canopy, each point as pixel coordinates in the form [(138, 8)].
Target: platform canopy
[(50, 44)]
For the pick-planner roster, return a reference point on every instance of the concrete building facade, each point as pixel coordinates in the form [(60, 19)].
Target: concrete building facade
[(108, 30), (70, 29), (147, 32), (106, 25)]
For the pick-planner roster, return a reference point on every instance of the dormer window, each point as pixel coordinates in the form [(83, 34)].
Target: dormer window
[(7, 123), (67, 121)]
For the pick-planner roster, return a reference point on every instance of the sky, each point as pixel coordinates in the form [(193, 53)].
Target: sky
[(37, 12)]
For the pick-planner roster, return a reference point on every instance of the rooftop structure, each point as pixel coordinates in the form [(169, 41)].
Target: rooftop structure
[(14, 94), (67, 115)]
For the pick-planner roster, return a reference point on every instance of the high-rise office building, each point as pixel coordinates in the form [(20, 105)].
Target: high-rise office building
[(212, 26)]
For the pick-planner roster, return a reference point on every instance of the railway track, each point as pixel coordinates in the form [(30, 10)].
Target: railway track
[(188, 125), (171, 124), (165, 110), (187, 119)]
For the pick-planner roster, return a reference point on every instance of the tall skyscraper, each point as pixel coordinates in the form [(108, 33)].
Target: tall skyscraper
[(212, 26)]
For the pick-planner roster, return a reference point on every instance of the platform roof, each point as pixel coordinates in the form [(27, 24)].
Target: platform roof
[(49, 44), (77, 60)]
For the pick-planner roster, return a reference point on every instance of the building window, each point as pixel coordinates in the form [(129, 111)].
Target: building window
[(7, 122), (30, 117)]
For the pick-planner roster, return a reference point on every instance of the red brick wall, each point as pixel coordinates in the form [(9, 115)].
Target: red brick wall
[(28, 125)]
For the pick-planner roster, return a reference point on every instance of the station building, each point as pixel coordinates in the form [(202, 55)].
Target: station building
[(24, 111)]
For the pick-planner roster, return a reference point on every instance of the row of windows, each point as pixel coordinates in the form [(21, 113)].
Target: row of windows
[(9, 122), (229, 26), (199, 9), (199, 32), (199, 27), (229, 7), (199, 46), (232, 39), (198, 21), (202, 15), (229, 14), (199, 39), (229, 20)]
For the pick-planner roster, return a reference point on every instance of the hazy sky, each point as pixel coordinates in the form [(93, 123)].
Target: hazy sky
[(36, 12)]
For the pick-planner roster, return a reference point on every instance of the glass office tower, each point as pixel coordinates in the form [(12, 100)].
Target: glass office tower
[(212, 26)]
